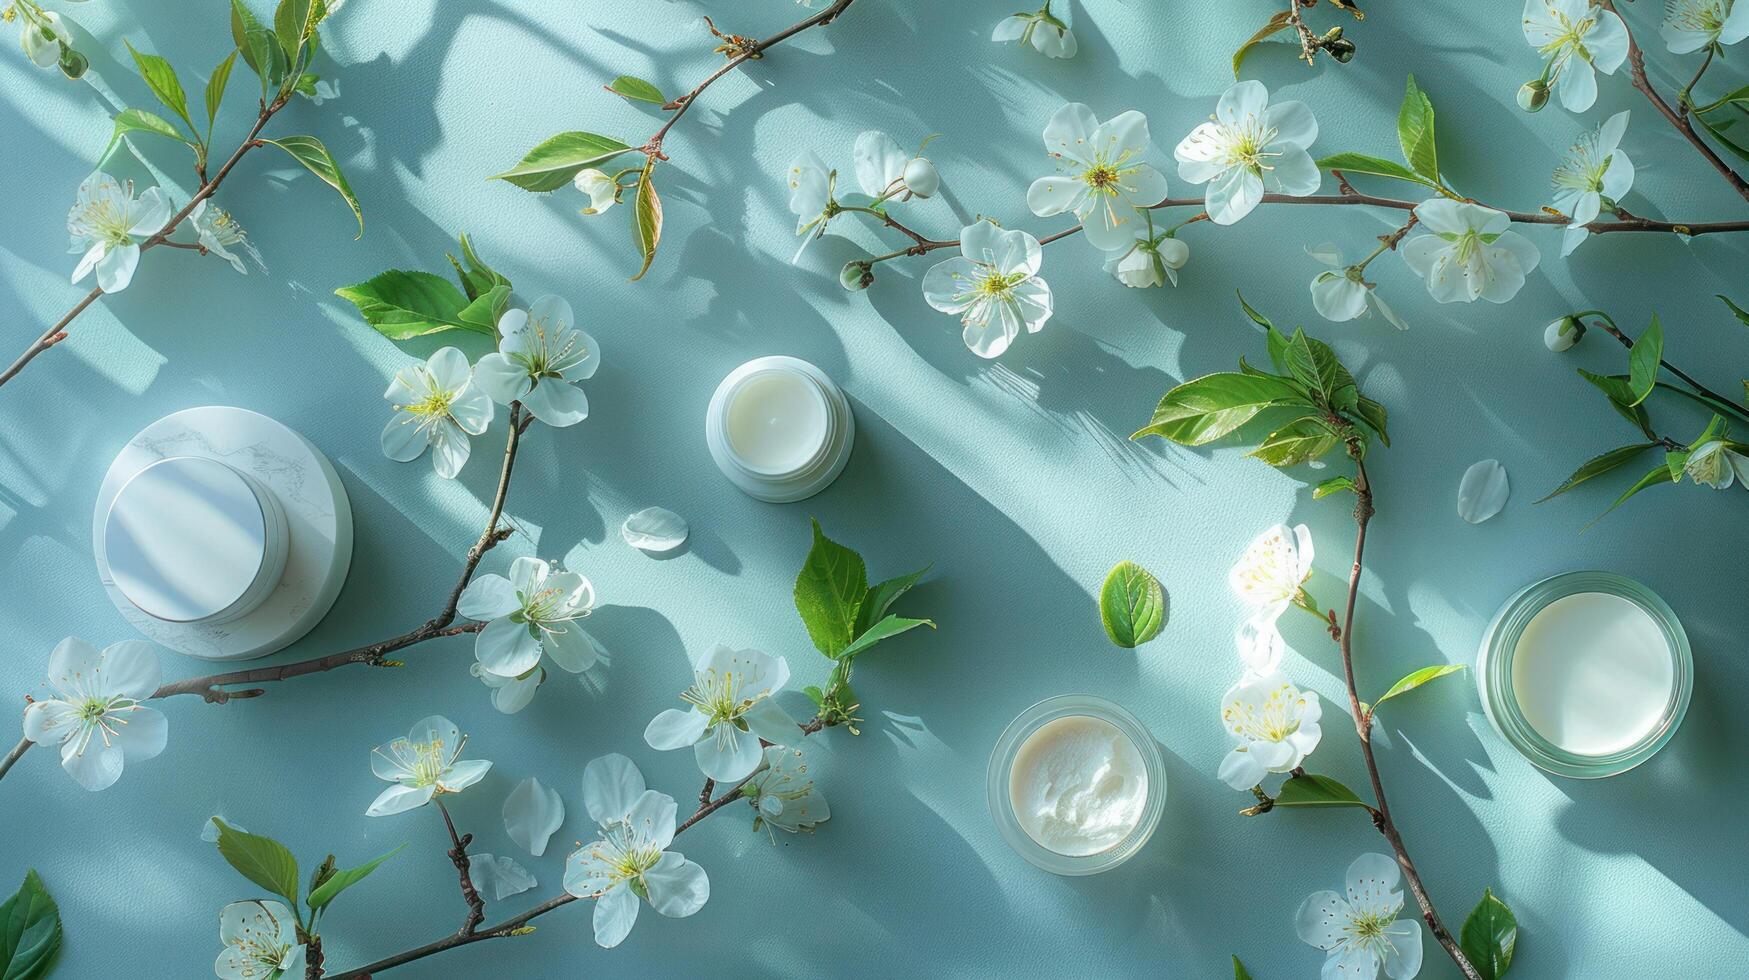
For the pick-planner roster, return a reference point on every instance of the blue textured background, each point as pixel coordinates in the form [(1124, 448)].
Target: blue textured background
[(1014, 478)]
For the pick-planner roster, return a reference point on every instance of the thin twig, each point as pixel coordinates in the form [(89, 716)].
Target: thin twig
[(58, 332), (1637, 71), (458, 855), (1719, 402), (1363, 512)]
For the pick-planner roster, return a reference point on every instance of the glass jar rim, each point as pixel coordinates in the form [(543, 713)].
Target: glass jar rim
[(1499, 699), (1008, 748)]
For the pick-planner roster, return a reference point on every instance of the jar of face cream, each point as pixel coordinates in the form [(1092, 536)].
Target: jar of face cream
[(1588, 674), (1076, 785), (779, 429)]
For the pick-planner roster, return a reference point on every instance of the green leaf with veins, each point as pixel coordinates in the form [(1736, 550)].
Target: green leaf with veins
[(1415, 680), (30, 931), (1643, 360), (556, 160), (885, 629), (1741, 314), (1600, 464), (1659, 474), (215, 88), (830, 589), (403, 304), (881, 597), (1302, 440), (1313, 790), (141, 121), (1276, 23), (1373, 414), (262, 860), (1621, 398), (1132, 606), (1204, 409), (636, 89), (1360, 163), (647, 217), (345, 878), (315, 157), (1490, 937), (1415, 132), (1335, 484), (162, 80)]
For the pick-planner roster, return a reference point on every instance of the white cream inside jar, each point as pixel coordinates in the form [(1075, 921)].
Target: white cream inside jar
[(776, 422), (1078, 785), (1593, 673)]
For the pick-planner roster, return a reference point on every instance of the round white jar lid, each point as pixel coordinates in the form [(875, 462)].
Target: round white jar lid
[(185, 538)]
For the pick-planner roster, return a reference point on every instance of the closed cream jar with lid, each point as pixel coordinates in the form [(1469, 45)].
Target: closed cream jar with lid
[(779, 429), (1588, 674), (1076, 785)]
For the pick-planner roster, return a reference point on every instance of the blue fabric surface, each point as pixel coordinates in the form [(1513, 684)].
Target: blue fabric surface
[(1015, 478)]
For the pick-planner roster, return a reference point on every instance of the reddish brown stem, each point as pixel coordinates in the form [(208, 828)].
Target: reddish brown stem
[(458, 855)]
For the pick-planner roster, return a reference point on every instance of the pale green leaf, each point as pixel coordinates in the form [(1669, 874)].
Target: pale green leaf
[(1300, 441), (1239, 972), (555, 161), (1415, 680), (1600, 464), (345, 878), (881, 597), (162, 80), (1415, 132), (215, 88), (1490, 937), (1360, 163), (1132, 606), (1276, 23), (647, 217), (1741, 314), (315, 157), (402, 304), (632, 87), (1335, 484), (1206, 408), (141, 121), (1643, 361), (887, 628), (262, 860)]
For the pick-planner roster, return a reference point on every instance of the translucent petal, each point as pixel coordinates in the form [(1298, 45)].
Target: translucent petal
[(677, 887), (616, 911), (1321, 919), (654, 529), (611, 784), (1483, 491), (499, 876), (532, 813)]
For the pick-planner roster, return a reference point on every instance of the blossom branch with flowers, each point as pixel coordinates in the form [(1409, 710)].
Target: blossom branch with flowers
[(111, 227)]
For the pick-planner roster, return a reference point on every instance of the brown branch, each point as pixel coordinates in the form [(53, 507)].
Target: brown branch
[(13, 756), (743, 52), (217, 688), (1363, 512), (458, 855), (57, 333), (1637, 71)]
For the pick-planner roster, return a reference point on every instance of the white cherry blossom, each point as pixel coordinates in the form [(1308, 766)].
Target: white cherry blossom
[(1150, 262), (783, 794), (1270, 577), (96, 714), (1468, 253), (219, 233), (1274, 725), (1341, 292), (1047, 33), (993, 285), (107, 225), (602, 190), (536, 610), (1250, 147), (1595, 171), (810, 198), (261, 942), (1718, 463), (731, 710), (423, 764), (437, 406), (630, 858), (1361, 932), (1106, 178), (540, 358), (884, 170), (1578, 38), (1690, 25), (532, 813)]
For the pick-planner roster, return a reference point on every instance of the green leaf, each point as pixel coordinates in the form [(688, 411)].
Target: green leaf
[(635, 88), (1239, 972), (162, 80), (1314, 790), (262, 860), (1643, 361), (1490, 936), (1659, 474), (215, 88), (1206, 408), (1741, 314), (887, 628), (141, 121), (1313, 364), (1277, 23), (1718, 133), (830, 589), (30, 931), (647, 217), (242, 22), (261, 51), (881, 597), (345, 878), (402, 304), (482, 314), (555, 161), (1373, 414), (1360, 163), (1415, 132), (815, 695), (1621, 398), (1335, 484), (1415, 680), (315, 157), (1302, 440), (1599, 465), (292, 22), (1131, 605)]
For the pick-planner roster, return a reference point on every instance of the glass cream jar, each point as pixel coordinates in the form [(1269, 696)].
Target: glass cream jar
[(1076, 785), (1588, 674)]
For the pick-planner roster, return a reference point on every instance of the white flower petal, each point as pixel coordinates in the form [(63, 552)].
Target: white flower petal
[(403, 441), (557, 403), (97, 767), (1403, 956), (616, 911), (726, 754), (507, 648), (501, 378), (498, 876), (472, 409), (140, 732), (675, 728), (488, 596), (611, 784), (571, 647), (1010, 28), (128, 668), (1070, 129), (1240, 769), (464, 773), (449, 449), (654, 529), (1483, 491), (879, 162), (1322, 918), (677, 887), (1373, 880), (652, 818), (532, 813), (399, 799)]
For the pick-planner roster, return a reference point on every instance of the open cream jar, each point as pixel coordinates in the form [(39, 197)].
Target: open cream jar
[(779, 429), (1076, 785)]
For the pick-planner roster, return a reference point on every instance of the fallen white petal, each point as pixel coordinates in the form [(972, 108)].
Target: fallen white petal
[(500, 877), (654, 529), (531, 813), (1483, 491)]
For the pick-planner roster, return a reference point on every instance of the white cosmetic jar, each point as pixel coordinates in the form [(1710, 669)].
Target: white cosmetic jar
[(779, 429)]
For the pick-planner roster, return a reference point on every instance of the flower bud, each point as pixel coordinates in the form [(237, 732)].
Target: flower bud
[(1341, 49), (73, 64), (920, 177), (1533, 95), (1562, 334), (856, 275), (602, 190)]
